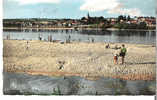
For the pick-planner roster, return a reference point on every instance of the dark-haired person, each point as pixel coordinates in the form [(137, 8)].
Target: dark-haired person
[(123, 53)]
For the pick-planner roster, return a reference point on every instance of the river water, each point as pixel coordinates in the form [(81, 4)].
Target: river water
[(117, 36), (24, 84)]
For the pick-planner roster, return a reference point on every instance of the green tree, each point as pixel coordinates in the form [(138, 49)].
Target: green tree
[(120, 18), (124, 18), (142, 25), (83, 18), (128, 18)]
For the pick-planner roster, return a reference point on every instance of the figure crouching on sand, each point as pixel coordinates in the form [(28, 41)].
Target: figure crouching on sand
[(123, 53)]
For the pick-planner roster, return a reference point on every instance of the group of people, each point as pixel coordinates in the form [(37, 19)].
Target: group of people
[(120, 53)]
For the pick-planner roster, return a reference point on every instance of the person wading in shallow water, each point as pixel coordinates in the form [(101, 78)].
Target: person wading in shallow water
[(123, 53)]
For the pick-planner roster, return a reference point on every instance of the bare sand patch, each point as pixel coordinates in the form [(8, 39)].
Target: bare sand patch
[(89, 60)]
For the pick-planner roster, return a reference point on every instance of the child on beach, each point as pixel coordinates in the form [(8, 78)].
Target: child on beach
[(116, 54)]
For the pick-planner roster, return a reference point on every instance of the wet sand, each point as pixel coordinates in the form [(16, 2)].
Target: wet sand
[(88, 60)]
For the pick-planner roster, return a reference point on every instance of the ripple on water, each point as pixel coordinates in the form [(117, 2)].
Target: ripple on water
[(24, 84)]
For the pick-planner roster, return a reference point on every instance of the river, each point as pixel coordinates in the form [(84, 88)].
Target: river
[(114, 36), (24, 84)]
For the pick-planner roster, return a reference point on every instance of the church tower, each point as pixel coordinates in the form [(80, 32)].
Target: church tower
[(88, 16)]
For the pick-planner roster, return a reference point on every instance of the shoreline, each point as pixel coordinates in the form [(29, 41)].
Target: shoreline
[(58, 41), (91, 61), (109, 29)]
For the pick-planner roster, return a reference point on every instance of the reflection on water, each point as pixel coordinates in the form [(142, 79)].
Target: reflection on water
[(123, 36), (28, 84)]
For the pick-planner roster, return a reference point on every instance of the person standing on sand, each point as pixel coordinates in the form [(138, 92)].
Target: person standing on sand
[(27, 46), (123, 53), (116, 54)]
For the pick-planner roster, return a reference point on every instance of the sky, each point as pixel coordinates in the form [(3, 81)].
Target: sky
[(76, 9)]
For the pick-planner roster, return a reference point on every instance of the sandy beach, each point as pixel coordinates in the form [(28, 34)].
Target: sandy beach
[(88, 60)]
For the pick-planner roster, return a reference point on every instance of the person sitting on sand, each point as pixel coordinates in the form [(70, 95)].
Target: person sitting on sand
[(123, 53), (107, 46)]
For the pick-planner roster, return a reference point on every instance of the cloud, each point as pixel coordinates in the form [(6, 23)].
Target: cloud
[(25, 2), (99, 5), (125, 11), (110, 6)]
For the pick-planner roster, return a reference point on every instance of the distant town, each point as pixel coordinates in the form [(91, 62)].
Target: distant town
[(121, 22)]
